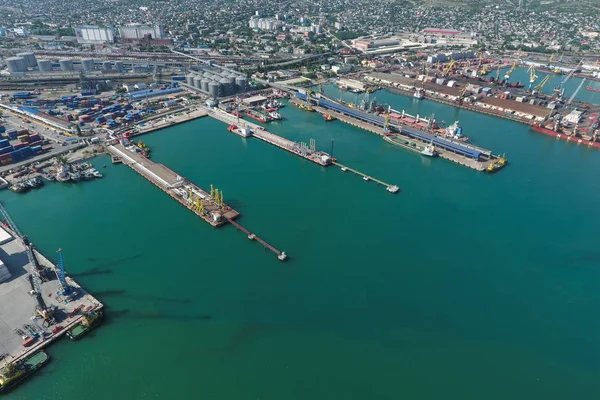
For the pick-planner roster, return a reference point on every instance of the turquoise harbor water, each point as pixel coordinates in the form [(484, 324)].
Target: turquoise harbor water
[(463, 285)]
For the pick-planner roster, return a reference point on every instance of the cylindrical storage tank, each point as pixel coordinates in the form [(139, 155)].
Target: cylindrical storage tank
[(119, 65), (224, 86), (189, 79), (16, 64), (87, 64), (66, 64), (224, 73), (241, 83), (232, 86), (213, 89), (207, 75), (204, 84), (44, 65), (30, 60), (107, 65), (197, 80)]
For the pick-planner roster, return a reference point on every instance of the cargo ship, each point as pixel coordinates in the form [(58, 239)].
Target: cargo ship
[(591, 89), (257, 116), (570, 138), (428, 150), (89, 321), (15, 372)]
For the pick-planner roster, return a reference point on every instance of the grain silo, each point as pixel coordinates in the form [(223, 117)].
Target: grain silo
[(204, 85), (189, 79), (44, 65), (119, 65), (241, 83), (87, 64), (16, 64), (197, 80), (224, 86), (232, 86), (213, 89), (30, 60), (66, 64), (106, 65)]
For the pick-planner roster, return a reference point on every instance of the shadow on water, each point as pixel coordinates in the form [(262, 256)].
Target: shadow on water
[(123, 293), (114, 315), (104, 268), (586, 257)]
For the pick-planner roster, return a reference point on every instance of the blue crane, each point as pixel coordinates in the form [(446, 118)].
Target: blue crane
[(65, 289)]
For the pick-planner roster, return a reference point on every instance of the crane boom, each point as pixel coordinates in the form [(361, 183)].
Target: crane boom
[(36, 273)]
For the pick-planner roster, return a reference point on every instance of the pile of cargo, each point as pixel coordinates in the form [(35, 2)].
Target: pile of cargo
[(27, 146)]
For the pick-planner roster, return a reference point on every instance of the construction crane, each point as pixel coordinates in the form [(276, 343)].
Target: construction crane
[(386, 123), (576, 91), (510, 71), (36, 274), (570, 74)]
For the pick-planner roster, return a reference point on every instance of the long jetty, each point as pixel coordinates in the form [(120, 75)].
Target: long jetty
[(208, 206), (318, 157)]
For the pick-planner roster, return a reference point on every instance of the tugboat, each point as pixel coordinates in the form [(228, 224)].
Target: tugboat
[(275, 115), (89, 321), (328, 117), (418, 94), (14, 373), (497, 165)]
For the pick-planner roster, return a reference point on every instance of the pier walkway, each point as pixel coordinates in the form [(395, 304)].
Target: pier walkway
[(390, 188), (280, 254), (208, 206), (318, 157)]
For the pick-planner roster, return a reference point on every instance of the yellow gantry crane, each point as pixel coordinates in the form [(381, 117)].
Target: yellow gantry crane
[(532, 75), (541, 85), (449, 67), (510, 71)]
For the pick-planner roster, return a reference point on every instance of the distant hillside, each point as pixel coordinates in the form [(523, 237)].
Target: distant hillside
[(541, 5)]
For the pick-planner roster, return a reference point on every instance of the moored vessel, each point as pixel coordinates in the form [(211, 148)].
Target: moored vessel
[(497, 165), (89, 321), (15, 372)]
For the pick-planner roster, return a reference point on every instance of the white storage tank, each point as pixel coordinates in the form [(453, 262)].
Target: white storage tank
[(30, 59), (241, 83), (66, 65), (16, 64), (87, 64), (213, 89), (204, 85), (44, 65), (189, 79), (197, 80), (224, 86)]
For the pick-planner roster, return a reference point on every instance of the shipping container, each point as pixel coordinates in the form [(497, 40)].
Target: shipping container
[(5, 155), (2, 129), (4, 143), (19, 145)]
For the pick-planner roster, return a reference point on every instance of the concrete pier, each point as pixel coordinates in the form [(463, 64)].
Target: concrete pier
[(17, 305)]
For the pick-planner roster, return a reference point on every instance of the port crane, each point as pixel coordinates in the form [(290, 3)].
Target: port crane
[(510, 71), (65, 289), (35, 277), (449, 67), (538, 88), (532, 76)]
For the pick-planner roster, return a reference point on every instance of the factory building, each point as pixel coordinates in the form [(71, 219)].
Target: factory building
[(454, 55), (91, 34), (138, 31)]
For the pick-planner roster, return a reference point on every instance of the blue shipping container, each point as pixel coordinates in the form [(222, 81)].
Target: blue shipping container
[(2, 129), (4, 143)]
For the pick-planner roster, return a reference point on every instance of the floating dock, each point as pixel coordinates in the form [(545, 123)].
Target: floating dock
[(208, 206), (388, 187)]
